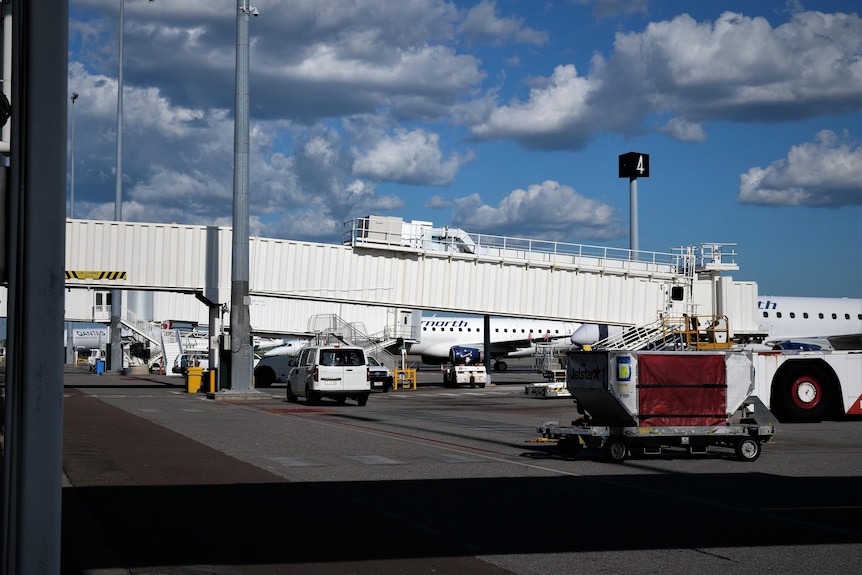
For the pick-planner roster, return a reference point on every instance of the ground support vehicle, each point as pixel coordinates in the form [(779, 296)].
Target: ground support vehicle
[(809, 384), (334, 371), (464, 368), (654, 400), (555, 389), (379, 375)]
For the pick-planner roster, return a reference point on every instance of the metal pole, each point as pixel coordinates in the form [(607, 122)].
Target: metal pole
[(633, 217), (32, 486), (241, 348), (72, 178), (117, 295)]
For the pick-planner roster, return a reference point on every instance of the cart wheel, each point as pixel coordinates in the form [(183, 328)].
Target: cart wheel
[(569, 447), (748, 449), (616, 450)]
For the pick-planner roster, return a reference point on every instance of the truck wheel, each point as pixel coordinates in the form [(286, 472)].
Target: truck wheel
[(291, 397), (362, 399), (748, 449), (501, 366), (803, 394), (482, 385), (264, 377), (616, 450), (311, 397)]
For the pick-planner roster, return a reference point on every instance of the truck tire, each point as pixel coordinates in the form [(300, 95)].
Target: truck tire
[(616, 450), (748, 449), (311, 397), (291, 397), (362, 399), (264, 377), (803, 393)]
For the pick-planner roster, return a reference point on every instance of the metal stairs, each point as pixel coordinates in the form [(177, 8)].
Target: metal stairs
[(328, 328)]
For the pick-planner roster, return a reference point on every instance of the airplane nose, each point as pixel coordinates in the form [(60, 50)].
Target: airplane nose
[(585, 335)]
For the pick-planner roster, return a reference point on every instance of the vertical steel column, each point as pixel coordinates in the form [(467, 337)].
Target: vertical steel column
[(634, 244), (32, 487), (117, 295), (242, 354)]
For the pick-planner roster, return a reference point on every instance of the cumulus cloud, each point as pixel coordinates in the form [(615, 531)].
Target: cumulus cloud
[(482, 23), (822, 173), (549, 210), (437, 202), (410, 157), (736, 68), (557, 114)]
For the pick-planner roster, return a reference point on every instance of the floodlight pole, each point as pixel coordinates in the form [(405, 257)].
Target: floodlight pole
[(241, 349), (117, 295)]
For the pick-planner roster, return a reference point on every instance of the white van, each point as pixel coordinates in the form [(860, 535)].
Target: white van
[(338, 372)]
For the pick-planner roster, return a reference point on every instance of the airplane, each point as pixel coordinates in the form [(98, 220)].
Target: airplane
[(287, 347), (781, 318), (509, 337)]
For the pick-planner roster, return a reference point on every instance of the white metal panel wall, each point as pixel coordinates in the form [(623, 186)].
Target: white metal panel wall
[(174, 258)]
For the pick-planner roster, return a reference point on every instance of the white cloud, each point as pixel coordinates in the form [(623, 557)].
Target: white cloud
[(737, 68), (824, 173), (482, 22), (437, 202), (549, 210), (683, 130), (412, 157), (556, 113)]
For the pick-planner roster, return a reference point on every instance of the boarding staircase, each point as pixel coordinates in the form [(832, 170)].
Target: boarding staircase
[(329, 328), (688, 332), (169, 342)]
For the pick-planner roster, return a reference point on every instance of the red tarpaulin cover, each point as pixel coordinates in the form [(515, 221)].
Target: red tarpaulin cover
[(681, 389)]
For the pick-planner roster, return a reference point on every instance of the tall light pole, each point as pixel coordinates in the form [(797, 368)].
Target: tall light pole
[(117, 295), (72, 178), (241, 348)]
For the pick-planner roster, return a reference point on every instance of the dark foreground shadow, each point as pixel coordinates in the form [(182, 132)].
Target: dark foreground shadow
[(289, 523)]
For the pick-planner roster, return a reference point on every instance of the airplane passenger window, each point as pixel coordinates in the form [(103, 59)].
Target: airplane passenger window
[(846, 316), (834, 316), (766, 314), (792, 315), (778, 314), (805, 315), (820, 315)]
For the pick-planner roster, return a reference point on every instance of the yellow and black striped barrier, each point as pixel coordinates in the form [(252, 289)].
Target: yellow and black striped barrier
[(95, 275)]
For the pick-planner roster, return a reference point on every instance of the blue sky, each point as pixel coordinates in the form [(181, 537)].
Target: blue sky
[(502, 117)]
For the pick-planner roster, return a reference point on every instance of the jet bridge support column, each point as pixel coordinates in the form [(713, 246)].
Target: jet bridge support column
[(489, 361)]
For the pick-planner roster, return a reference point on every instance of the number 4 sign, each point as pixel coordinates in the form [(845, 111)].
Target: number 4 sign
[(634, 165)]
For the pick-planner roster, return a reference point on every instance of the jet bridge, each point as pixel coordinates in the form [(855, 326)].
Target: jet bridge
[(390, 263)]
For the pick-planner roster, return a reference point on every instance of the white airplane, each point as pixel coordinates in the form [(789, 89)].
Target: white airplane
[(781, 318), (509, 337), (287, 347)]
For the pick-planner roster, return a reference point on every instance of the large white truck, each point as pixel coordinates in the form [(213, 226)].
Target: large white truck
[(811, 379)]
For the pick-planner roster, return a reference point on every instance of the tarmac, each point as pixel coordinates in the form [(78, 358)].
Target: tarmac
[(139, 498)]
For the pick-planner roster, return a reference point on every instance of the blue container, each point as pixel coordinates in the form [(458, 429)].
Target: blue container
[(100, 366)]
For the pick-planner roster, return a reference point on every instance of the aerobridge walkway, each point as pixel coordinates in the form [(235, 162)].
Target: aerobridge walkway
[(384, 261)]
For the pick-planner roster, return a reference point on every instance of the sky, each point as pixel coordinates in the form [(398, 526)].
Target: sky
[(502, 117)]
